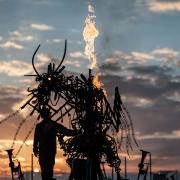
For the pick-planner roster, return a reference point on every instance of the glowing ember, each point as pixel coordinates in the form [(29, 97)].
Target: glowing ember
[(89, 34)]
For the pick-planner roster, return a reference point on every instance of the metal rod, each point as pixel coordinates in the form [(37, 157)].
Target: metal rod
[(32, 167), (150, 164), (11, 164), (125, 168), (112, 173)]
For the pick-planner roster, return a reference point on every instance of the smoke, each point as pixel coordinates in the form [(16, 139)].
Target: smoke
[(116, 18)]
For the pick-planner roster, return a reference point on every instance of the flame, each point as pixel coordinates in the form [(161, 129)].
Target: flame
[(96, 81), (90, 33)]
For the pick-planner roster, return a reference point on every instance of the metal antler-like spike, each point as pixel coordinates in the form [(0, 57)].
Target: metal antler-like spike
[(65, 47), (33, 60)]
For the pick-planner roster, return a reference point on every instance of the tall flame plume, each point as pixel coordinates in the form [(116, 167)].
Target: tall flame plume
[(90, 33)]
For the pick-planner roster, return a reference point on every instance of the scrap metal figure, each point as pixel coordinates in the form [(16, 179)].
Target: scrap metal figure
[(45, 143), (86, 107)]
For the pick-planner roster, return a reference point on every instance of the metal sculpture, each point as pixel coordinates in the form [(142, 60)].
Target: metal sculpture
[(16, 172), (144, 167), (89, 113)]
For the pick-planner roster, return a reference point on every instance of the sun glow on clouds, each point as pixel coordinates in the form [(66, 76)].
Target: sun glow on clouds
[(15, 68), (19, 68), (22, 159), (2, 116), (36, 170), (42, 57), (11, 44), (8, 142), (60, 160), (142, 55)]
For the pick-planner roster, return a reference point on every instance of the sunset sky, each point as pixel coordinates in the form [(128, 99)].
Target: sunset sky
[(138, 50)]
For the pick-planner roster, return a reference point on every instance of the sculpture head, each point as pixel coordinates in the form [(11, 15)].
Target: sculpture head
[(51, 67)]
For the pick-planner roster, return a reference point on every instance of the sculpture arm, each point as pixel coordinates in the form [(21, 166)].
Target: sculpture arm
[(65, 131)]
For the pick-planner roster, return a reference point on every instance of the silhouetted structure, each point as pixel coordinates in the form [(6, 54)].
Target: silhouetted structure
[(166, 175), (90, 115), (16, 172), (144, 166)]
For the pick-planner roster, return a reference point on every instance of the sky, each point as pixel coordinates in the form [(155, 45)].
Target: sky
[(137, 50)]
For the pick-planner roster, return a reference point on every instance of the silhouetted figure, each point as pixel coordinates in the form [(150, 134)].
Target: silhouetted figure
[(44, 145)]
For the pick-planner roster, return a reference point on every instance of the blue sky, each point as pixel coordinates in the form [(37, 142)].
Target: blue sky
[(137, 49)]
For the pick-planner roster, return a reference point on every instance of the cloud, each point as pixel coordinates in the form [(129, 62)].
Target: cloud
[(9, 91), (8, 97), (147, 98), (151, 71), (7, 141), (11, 44), (1, 38), (165, 51), (15, 68), (174, 96), (73, 63), (158, 135), (77, 54), (159, 56), (134, 57), (16, 35), (163, 6), (111, 64), (42, 27), (57, 40), (118, 59), (140, 102), (142, 56), (42, 57), (161, 116)]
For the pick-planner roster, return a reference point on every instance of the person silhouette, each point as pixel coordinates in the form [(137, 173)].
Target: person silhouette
[(44, 145)]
